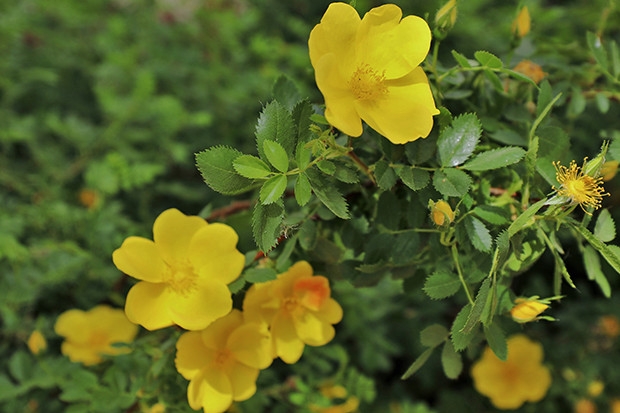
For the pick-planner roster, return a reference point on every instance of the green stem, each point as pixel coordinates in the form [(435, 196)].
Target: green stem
[(455, 258)]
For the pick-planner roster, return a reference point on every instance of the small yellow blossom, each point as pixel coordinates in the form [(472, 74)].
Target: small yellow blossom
[(36, 342), (441, 213), (531, 70), (222, 362), (609, 170), (585, 406), (183, 273), (521, 378), (522, 24), (579, 188), (90, 334), (526, 310), (368, 69), (595, 388), (298, 308)]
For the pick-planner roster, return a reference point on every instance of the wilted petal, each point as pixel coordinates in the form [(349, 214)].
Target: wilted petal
[(147, 305), (172, 233), (214, 255), (139, 258)]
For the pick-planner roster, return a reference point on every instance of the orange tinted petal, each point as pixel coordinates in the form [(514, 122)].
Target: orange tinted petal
[(173, 231), (196, 309), (288, 346), (147, 304), (214, 255), (312, 291), (192, 355), (139, 258)]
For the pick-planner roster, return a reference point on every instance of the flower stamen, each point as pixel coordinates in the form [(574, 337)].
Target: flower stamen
[(582, 189), (367, 84)]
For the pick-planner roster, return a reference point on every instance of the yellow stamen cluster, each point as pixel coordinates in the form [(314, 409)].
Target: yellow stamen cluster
[(367, 84), (582, 189)]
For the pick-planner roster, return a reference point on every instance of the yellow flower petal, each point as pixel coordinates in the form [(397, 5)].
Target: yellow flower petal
[(210, 390), (80, 354), (172, 233), (192, 355), (216, 335), (335, 34), (139, 258), (119, 329), (242, 381), (389, 45), (36, 342), (259, 304), (214, 255), (311, 330), (288, 346), (147, 304), (196, 309), (72, 323), (251, 345), (330, 312)]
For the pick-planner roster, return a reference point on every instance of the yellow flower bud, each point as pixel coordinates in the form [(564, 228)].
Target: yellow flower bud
[(531, 70), (521, 25), (441, 213), (526, 310), (595, 388), (36, 342), (609, 170), (446, 15)]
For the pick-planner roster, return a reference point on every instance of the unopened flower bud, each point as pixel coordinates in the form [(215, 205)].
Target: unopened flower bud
[(521, 25), (526, 310), (36, 342), (593, 167), (441, 213), (446, 15)]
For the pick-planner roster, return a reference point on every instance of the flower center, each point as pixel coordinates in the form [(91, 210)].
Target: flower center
[(222, 357), (582, 189), (97, 339), (367, 84), (312, 292), (290, 304), (181, 278)]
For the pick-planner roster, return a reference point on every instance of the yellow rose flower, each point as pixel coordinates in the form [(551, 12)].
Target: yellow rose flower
[(90, 334), (36, 342), (368, 69), (521, 378), (298, 308), (526, 310), (184, 272), (222, 362)]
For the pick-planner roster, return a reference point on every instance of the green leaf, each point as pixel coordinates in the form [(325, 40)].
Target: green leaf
[(301, 121), (492, 214), (494, 159), (461, 60), (418, 363), (266, 224), (605, 227), (251, 167), (488, 59), (615, 58), (303, 155), (385, 175), (285, 92), (327, 167), (260, 275), (451, 182), (276, 155), (473, 319), (451, 361), (526, 218), (497, 341), (434, 335), (544, 97), (21, 366), (307, 235), (457, 142), (609, 256), (328, 194), (518, 76), (592, 264), (495, 81), (478, 233), (441, 284), (596, 47), (303, 190), (273, 189), (275, 123), (414, 178), (345, 173), (216, 166), (461, 339)]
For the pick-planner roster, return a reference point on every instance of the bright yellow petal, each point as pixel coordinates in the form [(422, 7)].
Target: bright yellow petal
[(115, 323), (251, 345), (214, 255), (80, 354), (73, 325), (259, 303), (192, 355), (389, 45), (330, 312), (285, 284), (288, 346), (139, 258), (243, 381), (147, 305), (216, 335), (211, 390), (173, 231), (196, 309), (312, 330), (403, 116), (335, 34)]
